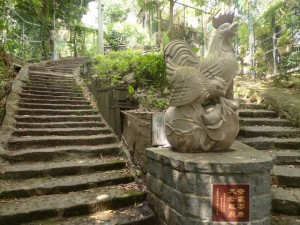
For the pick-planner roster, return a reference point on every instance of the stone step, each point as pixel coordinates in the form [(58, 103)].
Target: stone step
[(73, 89), (57, 101), (58, 152), (56, 185), (45, 72), (139, 214), (257, 113), (86, 131), (269, 131), (53, 93), (39, 112), (287, 176), (17, 143), (50, 71), (61, 70), (264, 122), (251, 106), (50, 77), (51, 97), (286, 200), (53, 106), (50, 119), (61, 125), (67, 205), (63, 167), (281, 219), (51, 84), (289, 157), (267, 143)]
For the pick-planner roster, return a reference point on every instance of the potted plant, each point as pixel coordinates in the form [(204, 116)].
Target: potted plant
[(284, 42)]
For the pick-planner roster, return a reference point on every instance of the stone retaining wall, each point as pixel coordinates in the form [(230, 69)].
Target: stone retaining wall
[(136, 128)]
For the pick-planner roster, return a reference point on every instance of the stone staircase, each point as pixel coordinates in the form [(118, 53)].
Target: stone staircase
[(63, 162), (264, 130)]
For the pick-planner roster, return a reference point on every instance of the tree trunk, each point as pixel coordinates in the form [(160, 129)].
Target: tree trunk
[(242, 66), (159, 24), (45, 30), (172, 3)]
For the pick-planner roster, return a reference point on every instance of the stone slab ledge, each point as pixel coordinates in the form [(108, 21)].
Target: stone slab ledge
[(239, 157)]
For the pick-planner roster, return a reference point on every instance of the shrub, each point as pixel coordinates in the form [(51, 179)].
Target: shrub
[(149, 69), (149, 74), (111, 68)]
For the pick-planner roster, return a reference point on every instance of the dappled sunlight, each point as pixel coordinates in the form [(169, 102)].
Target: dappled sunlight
[(102, 197), (102, 216)]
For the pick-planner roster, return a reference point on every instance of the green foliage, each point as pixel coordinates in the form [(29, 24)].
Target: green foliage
[(150, 5), (5, 83), (114, 38), (112, 67), (118, 29), (165, 39), (149, 74), (243, 51), (284, 14), (289, 60), (281, 17), (259, 54), (115, 13), (243, 35), (67, 13), (285, 38), (150, 99), (130, 89), (293, 59), (149, 69), (133, 33), (287, 81), (260, 70)]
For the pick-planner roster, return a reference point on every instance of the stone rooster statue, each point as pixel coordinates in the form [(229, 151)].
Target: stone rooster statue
[(203, 114)]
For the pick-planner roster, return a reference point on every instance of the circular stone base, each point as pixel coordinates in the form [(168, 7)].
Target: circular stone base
[(197, 188)]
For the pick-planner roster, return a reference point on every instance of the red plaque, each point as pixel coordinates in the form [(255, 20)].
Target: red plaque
[(230, 202)]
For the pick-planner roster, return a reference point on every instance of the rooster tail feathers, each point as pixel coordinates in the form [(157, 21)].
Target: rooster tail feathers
[(170, 69), (178, 53)]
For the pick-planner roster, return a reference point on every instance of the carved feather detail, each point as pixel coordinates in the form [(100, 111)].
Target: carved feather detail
[(189, 85), (188, 81)]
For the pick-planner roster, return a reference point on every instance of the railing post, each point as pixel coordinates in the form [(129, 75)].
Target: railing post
[(23, 35), (274, 48)]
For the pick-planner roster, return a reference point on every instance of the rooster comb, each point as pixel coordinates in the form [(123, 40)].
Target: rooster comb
[(222, 18)]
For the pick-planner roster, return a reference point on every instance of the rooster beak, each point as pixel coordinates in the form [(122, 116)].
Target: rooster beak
[(233, 27), (223, 93)]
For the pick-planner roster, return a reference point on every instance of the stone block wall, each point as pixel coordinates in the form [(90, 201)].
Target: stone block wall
[(180, 185), (136, 128)]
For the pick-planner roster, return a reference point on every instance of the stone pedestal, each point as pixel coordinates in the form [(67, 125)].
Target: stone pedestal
[(181, 186)]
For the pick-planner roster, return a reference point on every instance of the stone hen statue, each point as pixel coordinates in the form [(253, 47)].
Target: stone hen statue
[(202, 115)]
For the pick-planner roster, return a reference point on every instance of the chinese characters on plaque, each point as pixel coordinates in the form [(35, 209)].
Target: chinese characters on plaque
[(230, 202)]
